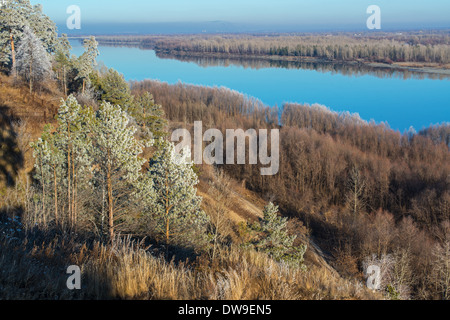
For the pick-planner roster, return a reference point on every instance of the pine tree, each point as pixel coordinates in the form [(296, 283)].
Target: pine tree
[(149, 116), (33, 62), (115, 89), (74, 141), (87, 61), (63, 60), (43, 27), (177, 211), (14, 16), (116, 155), (41, 152), (274, 238), (49, 172), (12, 21)]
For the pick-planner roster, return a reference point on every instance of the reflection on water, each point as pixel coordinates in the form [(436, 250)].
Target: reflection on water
[(347, 69), (344, 68)]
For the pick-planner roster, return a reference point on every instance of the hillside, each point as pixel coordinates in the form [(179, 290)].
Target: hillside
[(50, 251), (358, 186)]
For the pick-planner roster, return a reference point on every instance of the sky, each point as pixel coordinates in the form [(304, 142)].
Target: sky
[(270, 15)]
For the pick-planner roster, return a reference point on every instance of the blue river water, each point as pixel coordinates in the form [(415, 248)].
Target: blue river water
[(402, 103)]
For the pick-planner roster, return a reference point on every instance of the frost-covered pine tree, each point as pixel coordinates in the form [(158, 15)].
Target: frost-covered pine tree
[(176, 210), (63, 60), (87, 61), (14, 16), (74, 140), (62, 161), (149, 116), (115, 89), (33, 62), (43, 27), (117, 162), (49, 160), (12, 21), (274, 238), (41, 154)]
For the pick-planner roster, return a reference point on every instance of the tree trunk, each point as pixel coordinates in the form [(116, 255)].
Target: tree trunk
[(13, 51), (56, 194), (31, 76), (43, 188), (167, 233), (69, 180), (167, 218), (64, 82), (110, 199), (167, 229), (74, 214)]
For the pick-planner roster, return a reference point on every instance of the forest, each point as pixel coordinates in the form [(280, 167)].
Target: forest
[(89, 177)]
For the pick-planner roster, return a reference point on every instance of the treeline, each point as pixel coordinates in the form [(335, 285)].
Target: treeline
[(188, 103), (386, 48), (359, 186)]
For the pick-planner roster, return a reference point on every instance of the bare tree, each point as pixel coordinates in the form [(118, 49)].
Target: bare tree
[(356, 186), (441, 265)]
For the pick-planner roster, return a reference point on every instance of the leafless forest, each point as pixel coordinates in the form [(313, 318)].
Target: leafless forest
[(360, 187)]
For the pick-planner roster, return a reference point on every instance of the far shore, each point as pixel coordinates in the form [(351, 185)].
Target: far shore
[(428, 68)]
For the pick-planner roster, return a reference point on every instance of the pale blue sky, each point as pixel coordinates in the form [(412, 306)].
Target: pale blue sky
[(314, 13)]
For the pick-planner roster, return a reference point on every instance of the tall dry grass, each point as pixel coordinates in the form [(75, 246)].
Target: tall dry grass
[(125, 270)]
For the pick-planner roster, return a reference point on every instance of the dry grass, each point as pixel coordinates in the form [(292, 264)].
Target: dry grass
[(37, 108), (22, 118), (127, 271)]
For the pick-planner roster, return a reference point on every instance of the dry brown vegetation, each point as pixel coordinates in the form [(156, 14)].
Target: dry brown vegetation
[(358, 186), (35, 269), (22, 117)]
